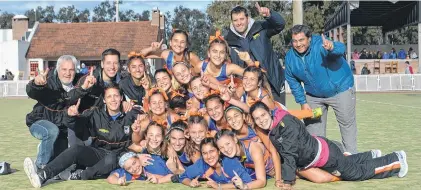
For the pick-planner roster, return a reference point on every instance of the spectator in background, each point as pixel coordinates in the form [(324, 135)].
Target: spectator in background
[(355, 55), (365, 70), (408, 69), (3, 77), (402, 54), (412, 54), (385, 55), (9, 75), (363, 54), (378, 55), (370, 55), (84, 70), (393, 54)]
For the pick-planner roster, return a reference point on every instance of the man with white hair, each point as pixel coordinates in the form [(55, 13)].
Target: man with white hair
[(50, 90)]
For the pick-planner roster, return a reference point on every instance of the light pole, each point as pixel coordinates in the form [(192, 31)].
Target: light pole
[(35, 19)]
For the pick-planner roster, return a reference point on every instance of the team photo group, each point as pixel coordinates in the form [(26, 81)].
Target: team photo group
[(220, 122)]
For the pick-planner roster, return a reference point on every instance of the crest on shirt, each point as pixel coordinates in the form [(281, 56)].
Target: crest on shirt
[(103, 131), (256, 36), (126, 129)]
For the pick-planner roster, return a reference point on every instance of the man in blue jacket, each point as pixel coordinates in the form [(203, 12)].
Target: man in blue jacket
[(248, 35), (328, 81)]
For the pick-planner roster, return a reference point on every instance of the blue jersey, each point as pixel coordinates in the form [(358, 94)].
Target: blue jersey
[(203, 170), (158, 167)]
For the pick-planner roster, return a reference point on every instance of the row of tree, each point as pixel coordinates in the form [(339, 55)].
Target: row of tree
[(217, 16), (104, 12), (316, 13)]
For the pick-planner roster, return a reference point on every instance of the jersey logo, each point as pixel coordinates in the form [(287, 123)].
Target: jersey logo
[(104, 131), (126, 129), (256, 36)]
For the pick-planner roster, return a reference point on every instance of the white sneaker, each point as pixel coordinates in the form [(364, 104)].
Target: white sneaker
[(404, 164), (30, 170), (376, 153)]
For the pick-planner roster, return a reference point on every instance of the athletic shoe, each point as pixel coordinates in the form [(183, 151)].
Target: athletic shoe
[(36, 179), (68, 175), (317, 112), (64, 175), (404, 164), (376, 153)]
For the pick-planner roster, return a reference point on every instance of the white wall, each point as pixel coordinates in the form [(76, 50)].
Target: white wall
[(23, 64), (12, 57), (9, 58), (6, 35)]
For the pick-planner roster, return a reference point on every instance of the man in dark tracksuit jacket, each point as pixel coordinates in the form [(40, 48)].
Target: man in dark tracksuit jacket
[(300, 150), (45, 121), (112, 135), (247, 35), (107, 73)]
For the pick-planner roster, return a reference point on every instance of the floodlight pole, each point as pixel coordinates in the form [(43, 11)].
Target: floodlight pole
[(297, 12), (117, 18)]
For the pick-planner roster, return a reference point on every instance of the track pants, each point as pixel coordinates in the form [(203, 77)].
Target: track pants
[(359, 167)]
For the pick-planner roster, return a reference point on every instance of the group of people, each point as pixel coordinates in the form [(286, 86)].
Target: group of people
[(8, 75), (221, 120), (402, 54)]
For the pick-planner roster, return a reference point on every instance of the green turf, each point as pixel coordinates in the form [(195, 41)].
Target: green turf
[(385, 121)]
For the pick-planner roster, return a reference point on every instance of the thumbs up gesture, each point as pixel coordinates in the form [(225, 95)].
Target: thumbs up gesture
[(74, 109), (41, 79), (264, 11), (327, 44)]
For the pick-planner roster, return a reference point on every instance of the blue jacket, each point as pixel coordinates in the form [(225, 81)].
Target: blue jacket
[(258, 44), (402, 54), (324, 73)]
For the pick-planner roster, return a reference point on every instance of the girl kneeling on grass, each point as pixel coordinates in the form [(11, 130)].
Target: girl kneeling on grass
[(132, 169), (301, 151)]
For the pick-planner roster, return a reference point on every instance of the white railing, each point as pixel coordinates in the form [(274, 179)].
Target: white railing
[(363, 83), (384, 83), (13, 88)]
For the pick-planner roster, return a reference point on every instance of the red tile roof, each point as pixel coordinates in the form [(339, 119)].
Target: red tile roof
[(90, 39)]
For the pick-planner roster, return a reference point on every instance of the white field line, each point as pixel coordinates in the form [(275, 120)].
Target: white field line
[(384, 103)]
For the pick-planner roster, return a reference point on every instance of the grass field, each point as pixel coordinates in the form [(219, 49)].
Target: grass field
[(385, 121)]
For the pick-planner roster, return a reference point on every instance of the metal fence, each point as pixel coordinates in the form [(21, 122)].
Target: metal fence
[(363, 83), (384, 83)]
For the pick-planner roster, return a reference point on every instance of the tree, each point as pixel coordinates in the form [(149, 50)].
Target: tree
[(104, 12), (67, 14), (128, 15), (6, 20), (197, 25), (83, 16), (46, 15), (145, 16)]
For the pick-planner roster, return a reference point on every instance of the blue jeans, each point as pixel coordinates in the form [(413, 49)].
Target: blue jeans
[(47, 132)]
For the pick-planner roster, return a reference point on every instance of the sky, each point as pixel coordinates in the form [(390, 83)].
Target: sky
[(19, 7)]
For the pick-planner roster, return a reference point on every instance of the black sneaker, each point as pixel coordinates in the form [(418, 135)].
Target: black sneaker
[(76, 175), (64, 175)]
